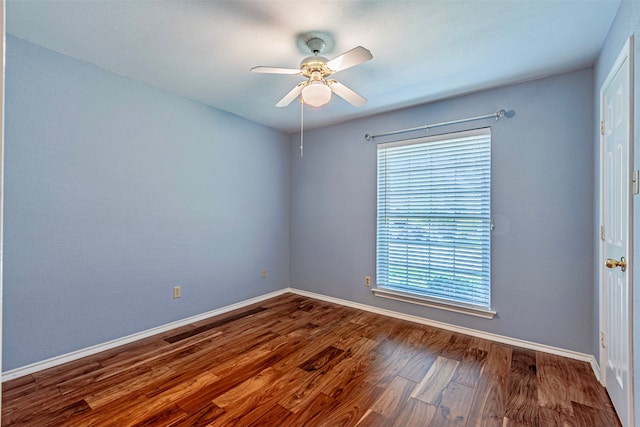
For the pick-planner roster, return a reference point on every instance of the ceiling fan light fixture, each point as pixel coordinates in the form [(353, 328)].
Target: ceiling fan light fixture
[(316, 94)]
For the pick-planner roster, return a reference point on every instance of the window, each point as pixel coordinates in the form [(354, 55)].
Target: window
[(434, 221)]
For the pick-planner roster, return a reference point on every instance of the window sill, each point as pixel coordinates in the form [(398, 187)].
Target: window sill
[(431, 302)]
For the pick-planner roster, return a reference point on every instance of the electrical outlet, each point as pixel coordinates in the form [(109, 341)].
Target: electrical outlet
[(367, 280), (177, 291), (264, 274)]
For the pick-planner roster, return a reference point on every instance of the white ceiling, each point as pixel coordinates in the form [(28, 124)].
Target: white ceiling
[(422, 50)]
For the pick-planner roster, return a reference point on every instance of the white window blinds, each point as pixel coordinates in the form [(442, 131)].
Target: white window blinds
[(434, 217)]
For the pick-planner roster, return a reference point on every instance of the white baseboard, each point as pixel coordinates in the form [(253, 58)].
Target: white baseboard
[(78, 354), (466, 331), (75, 355)]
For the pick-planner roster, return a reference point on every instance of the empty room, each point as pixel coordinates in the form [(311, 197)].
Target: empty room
[(320, 213)]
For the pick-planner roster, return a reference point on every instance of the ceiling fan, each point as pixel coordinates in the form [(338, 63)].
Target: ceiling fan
[(316, 90)]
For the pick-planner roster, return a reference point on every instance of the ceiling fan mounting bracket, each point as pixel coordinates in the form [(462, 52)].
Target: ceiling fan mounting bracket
[(316, 45), (315, 40)]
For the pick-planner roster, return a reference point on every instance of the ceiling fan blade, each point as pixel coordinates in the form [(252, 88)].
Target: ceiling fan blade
[(355, 56), (293, 94), (347, 94), (275, 70)]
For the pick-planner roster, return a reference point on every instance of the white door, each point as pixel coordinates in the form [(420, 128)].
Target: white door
[(615, 295)]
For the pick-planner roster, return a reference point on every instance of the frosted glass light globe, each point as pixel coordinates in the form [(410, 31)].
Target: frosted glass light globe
[(316, 94)]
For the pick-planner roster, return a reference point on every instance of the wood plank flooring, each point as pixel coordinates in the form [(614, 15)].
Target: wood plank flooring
[(296, 361)]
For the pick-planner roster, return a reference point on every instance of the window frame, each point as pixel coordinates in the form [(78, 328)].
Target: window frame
[(393, 292)]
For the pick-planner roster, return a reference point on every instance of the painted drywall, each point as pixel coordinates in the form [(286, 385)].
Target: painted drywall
[(542, 202), (625, 24), (114, 193)]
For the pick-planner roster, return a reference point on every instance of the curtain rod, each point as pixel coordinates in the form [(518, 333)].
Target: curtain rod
[(498, 115)]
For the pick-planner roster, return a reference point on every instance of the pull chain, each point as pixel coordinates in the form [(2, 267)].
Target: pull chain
[(301, 127)]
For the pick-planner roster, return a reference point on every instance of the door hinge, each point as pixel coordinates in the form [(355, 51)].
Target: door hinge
[(635, 182), (601, 127), (602, 233), (602, 340)]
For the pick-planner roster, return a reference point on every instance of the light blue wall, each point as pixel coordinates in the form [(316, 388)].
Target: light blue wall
[(626, 24), (542, 248), (114, 193)]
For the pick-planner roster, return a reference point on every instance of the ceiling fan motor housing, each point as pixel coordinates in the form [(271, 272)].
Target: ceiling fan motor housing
[(315, 63), (311, 64)]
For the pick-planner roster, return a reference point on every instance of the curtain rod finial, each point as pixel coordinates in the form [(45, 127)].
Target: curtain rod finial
[(368, 137)]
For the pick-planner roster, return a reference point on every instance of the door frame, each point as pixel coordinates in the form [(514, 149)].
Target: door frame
[(625, 54), (2, 91)]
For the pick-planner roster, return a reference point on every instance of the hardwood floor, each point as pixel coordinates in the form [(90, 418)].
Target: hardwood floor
[(296, 361)]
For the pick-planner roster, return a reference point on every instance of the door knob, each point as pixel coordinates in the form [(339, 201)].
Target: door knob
[(612, 263)]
